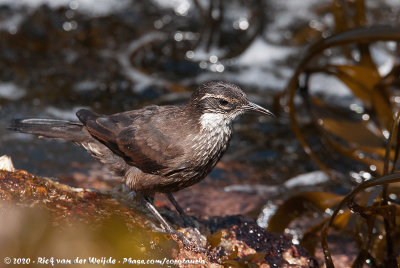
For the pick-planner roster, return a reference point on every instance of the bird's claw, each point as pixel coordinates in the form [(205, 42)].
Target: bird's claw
[(188, 244)]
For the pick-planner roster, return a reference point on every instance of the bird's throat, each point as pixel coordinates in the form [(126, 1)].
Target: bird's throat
[(214, 121), (216, 131)]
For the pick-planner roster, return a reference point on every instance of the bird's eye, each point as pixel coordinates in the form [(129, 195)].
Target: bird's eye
[(223, 102)]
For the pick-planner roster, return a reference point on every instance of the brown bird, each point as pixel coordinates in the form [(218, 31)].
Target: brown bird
[(156, 148)]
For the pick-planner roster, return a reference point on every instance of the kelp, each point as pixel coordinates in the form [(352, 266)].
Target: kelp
[(370, 215), (364, 82), (367, 133)]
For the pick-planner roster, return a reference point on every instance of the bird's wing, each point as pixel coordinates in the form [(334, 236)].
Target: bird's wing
[(98, 128), (135, 136)]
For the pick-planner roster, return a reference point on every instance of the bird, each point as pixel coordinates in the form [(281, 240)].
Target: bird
[(156, 149)]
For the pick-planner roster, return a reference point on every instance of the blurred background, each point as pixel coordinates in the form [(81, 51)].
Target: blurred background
[(59, 56)]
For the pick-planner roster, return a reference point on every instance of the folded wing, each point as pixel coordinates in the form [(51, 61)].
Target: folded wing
[(136, 137)]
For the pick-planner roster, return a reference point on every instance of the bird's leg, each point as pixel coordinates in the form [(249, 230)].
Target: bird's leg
[(187, 244), (188, 220), (154, 211)]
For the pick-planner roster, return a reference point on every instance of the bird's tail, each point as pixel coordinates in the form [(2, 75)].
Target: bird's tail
[(50, 128)]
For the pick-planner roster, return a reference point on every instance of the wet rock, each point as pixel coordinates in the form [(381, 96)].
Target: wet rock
[(6, 163), (239, 241), (63, 202), (41, 216)]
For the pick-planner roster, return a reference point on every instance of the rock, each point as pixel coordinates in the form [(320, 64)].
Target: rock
[(41, 217), (6, 163), (238, 241)]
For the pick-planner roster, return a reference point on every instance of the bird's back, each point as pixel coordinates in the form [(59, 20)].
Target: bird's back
[(166, 141)]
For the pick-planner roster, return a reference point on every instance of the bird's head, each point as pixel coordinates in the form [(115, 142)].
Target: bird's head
[(222, 102)]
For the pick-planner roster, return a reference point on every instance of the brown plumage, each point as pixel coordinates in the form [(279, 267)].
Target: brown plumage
[(156, 148)]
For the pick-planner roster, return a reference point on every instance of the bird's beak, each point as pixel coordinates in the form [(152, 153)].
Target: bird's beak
[(257, 108)]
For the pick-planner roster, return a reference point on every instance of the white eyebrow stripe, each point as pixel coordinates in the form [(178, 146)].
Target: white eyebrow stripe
[(208, 95)]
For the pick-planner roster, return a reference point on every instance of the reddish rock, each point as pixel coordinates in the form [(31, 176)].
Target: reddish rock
[(74, 222)]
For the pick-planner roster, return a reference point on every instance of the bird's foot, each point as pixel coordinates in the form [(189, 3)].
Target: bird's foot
[(188, 244), (186, 237), (194, 231), (169, 229)]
